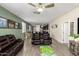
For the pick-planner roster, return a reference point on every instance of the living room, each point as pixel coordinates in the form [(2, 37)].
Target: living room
[(27, 30)]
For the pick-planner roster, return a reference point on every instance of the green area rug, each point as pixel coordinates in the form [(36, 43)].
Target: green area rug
[(46, 51)]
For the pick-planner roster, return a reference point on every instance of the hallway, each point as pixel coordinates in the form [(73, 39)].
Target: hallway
[(31, 50)]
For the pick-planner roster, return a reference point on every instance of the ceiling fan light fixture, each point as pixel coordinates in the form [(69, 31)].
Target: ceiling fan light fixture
[(40, 9)]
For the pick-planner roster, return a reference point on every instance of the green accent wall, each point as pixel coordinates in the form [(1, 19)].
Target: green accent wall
[(17, 32)]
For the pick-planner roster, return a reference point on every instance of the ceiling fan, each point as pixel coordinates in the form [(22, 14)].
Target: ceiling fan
[(41, 6)]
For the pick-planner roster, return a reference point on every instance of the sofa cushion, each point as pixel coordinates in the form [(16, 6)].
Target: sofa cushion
[(2, 38)]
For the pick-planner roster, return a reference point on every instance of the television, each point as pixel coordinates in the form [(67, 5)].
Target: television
[(3, 22), (78, 26)]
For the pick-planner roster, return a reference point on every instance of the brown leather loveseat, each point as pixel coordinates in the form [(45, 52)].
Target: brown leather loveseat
[(9, 45), (41, 38)]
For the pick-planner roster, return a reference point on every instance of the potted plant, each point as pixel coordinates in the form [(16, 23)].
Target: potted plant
[(74, 37), (71, 37)]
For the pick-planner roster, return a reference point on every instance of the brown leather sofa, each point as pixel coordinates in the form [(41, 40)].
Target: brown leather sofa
[(41, 38), (9, 45)]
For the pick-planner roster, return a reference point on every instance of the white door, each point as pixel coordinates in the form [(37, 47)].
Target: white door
[(65, 32), (23, 27), (24, 30)]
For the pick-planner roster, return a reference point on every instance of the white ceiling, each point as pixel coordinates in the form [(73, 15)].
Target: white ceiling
[(25, 11)]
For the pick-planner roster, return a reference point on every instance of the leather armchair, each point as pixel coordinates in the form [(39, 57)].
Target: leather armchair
[(35, 39)]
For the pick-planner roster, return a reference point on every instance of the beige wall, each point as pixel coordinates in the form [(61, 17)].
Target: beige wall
[(68, 17)]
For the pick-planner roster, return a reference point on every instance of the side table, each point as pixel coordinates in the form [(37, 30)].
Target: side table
[(74, 47)]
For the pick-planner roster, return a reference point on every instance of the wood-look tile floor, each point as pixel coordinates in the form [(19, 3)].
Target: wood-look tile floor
[(61, 49), (32, 50), (29, 49)]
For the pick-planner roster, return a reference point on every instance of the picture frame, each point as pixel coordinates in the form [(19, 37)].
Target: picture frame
[(11, 24)]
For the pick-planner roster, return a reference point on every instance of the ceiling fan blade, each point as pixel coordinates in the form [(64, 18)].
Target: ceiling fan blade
[(49, 6), (40, 3), (36, 12), (32, 4)]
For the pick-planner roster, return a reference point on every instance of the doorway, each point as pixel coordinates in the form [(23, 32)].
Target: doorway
[(68, 29), (66, 33), (24, 30)]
